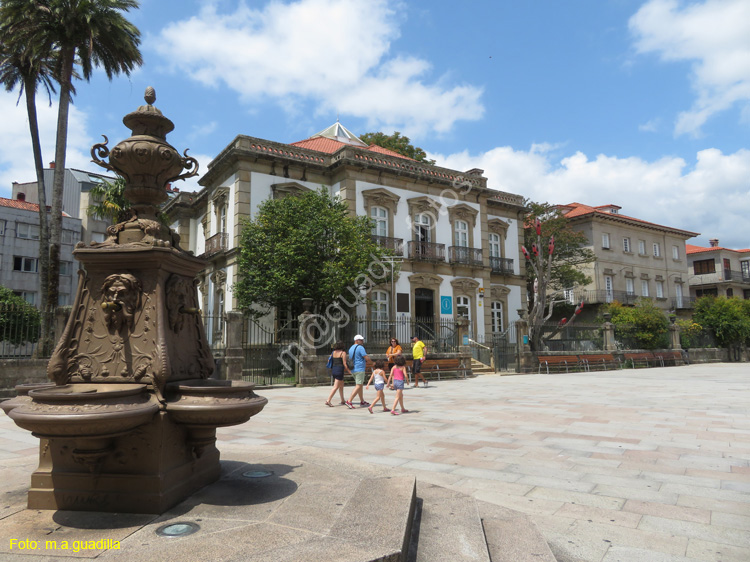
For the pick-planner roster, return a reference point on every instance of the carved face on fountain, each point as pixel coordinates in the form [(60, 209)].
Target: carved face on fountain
[(124, 291)]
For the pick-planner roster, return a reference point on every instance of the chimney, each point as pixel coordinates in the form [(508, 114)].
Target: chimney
[(52, 165), (714, 242)]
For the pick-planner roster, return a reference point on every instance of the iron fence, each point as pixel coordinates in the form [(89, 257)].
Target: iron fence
[(270, 353), (440, 335), (20, 330), (586, 337)]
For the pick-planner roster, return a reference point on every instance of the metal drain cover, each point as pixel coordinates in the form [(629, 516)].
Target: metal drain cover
[(257, 474), (180, 529)]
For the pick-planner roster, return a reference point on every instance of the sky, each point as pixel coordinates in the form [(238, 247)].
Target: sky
[(640, 103)]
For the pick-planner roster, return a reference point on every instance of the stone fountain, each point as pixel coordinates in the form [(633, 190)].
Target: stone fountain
[(130, 423)]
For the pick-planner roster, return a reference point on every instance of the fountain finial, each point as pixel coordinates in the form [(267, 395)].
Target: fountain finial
[(150, 95)]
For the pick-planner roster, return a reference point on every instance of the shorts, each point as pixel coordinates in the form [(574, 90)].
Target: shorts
[(379, 386), (416, 367), (398, 384), (338, 376), (359, 377)]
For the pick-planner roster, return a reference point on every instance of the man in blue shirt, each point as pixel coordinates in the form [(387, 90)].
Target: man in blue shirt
[(359, 358)]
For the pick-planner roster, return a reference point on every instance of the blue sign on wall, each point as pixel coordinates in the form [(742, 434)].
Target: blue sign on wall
[(446, 305)]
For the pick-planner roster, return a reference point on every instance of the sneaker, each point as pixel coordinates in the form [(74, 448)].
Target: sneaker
[(370, 409), (363, 404), (404, 411), (394, 413), (350, 405)]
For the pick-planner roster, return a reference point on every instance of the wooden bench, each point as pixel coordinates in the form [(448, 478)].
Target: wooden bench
[(670, 358), (645, 359), (604, 361), (448, 366), (558, 362)]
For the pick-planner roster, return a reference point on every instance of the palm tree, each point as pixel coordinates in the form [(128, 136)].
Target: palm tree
[(20, 67), (109, 202), (86, 33)]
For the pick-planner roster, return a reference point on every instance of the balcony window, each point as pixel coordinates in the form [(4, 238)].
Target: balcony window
[(644, 288), (629, 286), (495, 246), (379, 216), (745, 267), (461, 234), (422, 227), (702, 267)]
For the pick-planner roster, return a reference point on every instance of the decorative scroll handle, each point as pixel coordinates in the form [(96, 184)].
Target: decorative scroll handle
[(188, 163), (99, 151)]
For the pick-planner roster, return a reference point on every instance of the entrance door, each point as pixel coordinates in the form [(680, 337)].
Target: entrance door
[(424, 313)]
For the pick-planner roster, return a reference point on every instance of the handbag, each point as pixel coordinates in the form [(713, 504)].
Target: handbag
[(329, 365)]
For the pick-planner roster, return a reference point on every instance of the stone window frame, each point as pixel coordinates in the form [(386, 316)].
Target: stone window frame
[(385, 199), (219, 201), (425, 281), (288, 189), (464, 213), (424, 205), (499, 293), (499, 227), (465, 286)]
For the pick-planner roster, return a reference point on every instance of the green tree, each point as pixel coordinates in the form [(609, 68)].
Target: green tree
[(305, 247), (555, 253), (729, 319), (21, 67), (109, 202), (20, 322), (643, 326), (397, 143), (87, 34)]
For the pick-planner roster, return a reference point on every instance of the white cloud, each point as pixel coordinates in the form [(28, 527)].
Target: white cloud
[(334, 52), (16, 158), (715, 36), (711, 198)]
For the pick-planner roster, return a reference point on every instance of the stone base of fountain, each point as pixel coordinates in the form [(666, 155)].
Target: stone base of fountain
[(146, 471)]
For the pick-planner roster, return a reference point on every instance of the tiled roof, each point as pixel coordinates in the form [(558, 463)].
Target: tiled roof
[(580, 210), (329, 146), (691, 249), (23, 205)]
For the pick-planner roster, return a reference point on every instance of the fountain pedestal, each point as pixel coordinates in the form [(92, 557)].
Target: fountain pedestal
[(131, 424)]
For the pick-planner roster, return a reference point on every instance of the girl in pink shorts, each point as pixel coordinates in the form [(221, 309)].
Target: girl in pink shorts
[(397, 377)]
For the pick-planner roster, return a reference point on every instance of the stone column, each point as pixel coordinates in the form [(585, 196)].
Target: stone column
[(311, 369), (234, 355), (608, 331), (674, 333)]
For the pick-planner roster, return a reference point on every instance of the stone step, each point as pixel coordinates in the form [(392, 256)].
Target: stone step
[(512, 536), (379, 516), (447, 527)]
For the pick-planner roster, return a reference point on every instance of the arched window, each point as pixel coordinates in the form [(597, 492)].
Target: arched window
[(379, 215), (463, 307), (461, 234), (497, 317)]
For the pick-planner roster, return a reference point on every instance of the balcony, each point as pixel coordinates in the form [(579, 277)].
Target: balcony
[(604, 296), (465, 256), (683, 303), (504, 266), (426, 251), (396, 245), (722, 276), (216, 243)]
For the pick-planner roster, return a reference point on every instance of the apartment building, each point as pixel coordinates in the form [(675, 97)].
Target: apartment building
[(634, 258), (717, 271)]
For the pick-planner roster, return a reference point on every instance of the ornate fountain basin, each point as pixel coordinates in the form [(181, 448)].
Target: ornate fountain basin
[(22, 395), (216, 403), (85, 410)]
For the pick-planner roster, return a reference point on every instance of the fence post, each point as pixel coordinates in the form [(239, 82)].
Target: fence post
[(608, 331), (674, 333), (234, 357)]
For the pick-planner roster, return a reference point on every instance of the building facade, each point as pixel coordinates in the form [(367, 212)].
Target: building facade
[(456, 242), (19, 251), (717, 271), (634, 258)]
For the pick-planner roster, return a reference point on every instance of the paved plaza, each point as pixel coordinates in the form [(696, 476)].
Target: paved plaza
[(645, 465)]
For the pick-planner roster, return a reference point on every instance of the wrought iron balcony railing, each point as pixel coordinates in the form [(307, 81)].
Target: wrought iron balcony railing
[(394, 244), (426, 251), (501, 265), (682, 303), (465, 256), (721, 276), (216, 243)]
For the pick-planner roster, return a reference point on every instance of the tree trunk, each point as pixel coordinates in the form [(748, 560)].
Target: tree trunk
[(45, 341), (61, 146)]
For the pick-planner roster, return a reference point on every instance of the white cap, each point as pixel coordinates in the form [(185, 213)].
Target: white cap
[(359, 337)]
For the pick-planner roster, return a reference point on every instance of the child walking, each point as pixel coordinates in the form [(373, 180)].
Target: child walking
[(378, 374), (397, 376)]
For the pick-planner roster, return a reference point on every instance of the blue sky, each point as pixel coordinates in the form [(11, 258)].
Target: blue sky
[(644, 104)]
